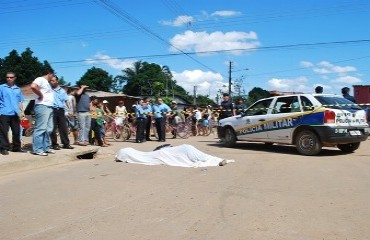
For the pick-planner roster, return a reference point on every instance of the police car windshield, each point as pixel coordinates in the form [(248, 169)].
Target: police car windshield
[(337, 103)]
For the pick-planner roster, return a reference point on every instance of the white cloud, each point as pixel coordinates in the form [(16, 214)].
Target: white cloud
[(226, 13), (203, 41), (206, 82), (289, 85), (347, 79), (325, 67), (306, 64), (114, 63), (179, 21)]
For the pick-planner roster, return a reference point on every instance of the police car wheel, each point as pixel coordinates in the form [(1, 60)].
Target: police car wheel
[(348, 148), (307, 143), (229, 137)]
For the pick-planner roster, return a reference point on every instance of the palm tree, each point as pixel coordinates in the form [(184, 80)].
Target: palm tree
[(132, 79)]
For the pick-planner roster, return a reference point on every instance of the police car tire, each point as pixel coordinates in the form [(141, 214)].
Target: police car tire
[(349, 147), (308, 143), (229, 137)]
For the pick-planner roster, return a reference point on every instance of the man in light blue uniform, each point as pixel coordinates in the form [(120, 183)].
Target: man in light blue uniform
[(160, 110), (59, 118), (142, 111), (11, 110)]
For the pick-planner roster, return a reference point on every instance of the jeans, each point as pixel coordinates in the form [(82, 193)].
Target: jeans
[(84, 120), (43, 128)]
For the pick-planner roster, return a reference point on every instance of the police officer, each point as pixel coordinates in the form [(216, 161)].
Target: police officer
[(160, 110), (226, 110), (142, 111)]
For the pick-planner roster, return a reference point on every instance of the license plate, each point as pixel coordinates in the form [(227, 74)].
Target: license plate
[(355, 133)]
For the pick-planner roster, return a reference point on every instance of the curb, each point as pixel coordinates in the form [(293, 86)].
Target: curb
[(19, 162)]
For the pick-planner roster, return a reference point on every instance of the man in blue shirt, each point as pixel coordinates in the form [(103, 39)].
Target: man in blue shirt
[(142, 111), (59, 118), (160, 110), (11, 110)]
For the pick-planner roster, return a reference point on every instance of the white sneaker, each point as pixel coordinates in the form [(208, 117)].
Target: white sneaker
[(50, 151), (40, 153)]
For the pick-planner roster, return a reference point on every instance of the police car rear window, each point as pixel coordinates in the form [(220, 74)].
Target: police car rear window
[(337, 103)]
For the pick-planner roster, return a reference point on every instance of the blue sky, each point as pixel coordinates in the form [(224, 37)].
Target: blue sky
[(284, 45)]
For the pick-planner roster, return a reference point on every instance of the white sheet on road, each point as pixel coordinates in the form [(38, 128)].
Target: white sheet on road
[(181, 156)]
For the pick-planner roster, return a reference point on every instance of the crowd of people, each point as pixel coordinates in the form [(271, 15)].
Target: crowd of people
[(58, 111)]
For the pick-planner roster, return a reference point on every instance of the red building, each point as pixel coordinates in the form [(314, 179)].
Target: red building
[(362, 93)]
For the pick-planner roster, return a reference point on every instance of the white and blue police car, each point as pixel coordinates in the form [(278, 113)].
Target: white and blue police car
[(308, 121)]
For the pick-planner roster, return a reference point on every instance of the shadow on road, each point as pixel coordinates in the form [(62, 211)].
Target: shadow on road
[(278, 149)]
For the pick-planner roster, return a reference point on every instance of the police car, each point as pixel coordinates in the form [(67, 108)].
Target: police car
[(308, 121)]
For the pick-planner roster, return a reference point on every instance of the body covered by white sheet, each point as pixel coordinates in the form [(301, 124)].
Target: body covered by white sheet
[(181, 156)]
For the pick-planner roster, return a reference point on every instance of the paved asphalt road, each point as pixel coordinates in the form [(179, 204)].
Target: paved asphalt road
[(270, 192)]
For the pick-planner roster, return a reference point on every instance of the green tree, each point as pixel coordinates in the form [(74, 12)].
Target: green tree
[(26, 66), (256, 94), (97, 79), (149, 79)]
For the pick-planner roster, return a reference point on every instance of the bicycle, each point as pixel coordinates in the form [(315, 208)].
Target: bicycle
[(185, 129), (120, 130)]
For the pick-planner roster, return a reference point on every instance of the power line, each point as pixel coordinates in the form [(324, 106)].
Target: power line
[(115, 10), (277, 47), (22, 8), (257, 18)]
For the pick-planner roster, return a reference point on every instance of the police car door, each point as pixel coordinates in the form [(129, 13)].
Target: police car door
[(251, 121), (285, 115)]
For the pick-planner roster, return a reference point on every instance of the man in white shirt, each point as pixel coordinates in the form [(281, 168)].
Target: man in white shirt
[(43, 113)]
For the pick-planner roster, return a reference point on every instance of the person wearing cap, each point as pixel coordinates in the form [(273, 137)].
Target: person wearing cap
[(107, 114), (226, 110), (174, 118), (160, 110), (120, 112)]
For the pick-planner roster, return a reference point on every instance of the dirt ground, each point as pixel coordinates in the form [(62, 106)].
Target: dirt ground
[(270, 192)]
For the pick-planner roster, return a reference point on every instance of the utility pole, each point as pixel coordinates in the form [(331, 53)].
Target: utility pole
[(230, 66)]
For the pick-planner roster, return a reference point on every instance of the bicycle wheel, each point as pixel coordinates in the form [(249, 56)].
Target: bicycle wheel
[(125, 133), (169, 130), (183, 130)]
